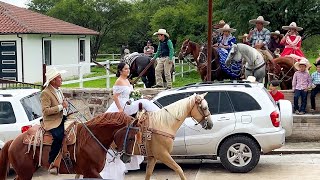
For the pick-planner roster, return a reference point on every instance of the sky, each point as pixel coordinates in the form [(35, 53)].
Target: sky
[(20, 3)]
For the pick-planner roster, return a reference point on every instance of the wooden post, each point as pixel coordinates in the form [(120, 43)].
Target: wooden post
[(209, 40), (44, 70)]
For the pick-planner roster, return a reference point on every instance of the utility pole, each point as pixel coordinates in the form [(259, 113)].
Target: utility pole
[(209, 51)]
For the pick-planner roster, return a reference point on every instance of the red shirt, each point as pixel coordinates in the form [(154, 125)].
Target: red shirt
[(277, 96)]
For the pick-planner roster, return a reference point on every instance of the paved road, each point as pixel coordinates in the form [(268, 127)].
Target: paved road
[(275, 167)]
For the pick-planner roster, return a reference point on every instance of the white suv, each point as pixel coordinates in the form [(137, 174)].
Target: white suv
[(246, 122), (19, 110)]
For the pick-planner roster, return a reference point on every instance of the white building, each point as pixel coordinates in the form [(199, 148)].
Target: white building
[(29, 39)]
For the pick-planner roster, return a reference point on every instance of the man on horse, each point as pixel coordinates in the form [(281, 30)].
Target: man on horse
[(259, 37), (53, 105)]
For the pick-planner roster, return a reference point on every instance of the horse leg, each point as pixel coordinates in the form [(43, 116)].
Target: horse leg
[(150, 166), (91, 174), (168, 160)]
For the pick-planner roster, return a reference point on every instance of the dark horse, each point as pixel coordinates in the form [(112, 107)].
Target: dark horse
[(87, 156), (282, 69), (137, 65)]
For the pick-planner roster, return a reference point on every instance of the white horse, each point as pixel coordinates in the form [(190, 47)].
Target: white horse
[(255, 64)]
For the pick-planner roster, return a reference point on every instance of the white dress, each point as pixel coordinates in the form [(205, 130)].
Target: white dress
[(116, 169)]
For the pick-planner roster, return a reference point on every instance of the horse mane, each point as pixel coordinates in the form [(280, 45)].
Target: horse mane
[(114, 118), (162, 118)]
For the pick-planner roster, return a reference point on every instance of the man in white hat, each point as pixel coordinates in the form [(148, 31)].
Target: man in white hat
[(164, 57), (259, 37), (53, 103)]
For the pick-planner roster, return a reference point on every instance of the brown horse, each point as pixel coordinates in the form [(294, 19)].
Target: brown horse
[(282, 69), (216, 71), (88, 157), (164, 124)]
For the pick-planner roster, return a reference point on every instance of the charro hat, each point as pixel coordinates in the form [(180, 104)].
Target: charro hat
[(277, 33), (51, 74), (161, 31), (259, 19), (220, 24), (292, 25), (242, 36), (226, 27), (251, 79)]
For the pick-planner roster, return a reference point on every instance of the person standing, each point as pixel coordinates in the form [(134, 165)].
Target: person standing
[(315, 77), (53, 105), (301, 82), (148, 50), (164, 57), (115, 168), (259, 37), (292, 42)]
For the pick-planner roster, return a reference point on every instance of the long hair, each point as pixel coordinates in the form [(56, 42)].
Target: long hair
[(120, 67)]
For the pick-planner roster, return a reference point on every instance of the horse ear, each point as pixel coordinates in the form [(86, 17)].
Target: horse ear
[(204, 94), (188, 39)]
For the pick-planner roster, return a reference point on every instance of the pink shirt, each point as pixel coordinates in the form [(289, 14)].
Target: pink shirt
[(301, 80)]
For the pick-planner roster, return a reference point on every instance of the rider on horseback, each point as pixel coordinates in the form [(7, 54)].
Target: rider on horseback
[(259, 37), (53, 105)]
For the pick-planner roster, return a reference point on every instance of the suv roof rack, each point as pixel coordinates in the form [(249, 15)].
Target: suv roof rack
[(5, 95), (212, 83)]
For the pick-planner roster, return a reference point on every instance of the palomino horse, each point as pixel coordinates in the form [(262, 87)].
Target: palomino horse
[(255, 64), (138, 63), (87, 156), (282, 69), (164, 124)]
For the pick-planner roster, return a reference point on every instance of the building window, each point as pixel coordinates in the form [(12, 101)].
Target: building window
[(47, 52), (82, 50)]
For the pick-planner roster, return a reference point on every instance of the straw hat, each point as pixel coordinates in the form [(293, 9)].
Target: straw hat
[(162, 31), (220, 24), (226, 27), (251, 79), (277, 33), (292, 25), (259, 19), (302, 61), (51, 74), (243, 36)]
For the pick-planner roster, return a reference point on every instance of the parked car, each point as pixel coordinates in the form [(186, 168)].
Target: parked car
[(19, 110), (246, 122)]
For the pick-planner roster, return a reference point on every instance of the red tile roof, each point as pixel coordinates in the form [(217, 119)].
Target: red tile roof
[(15, 20)]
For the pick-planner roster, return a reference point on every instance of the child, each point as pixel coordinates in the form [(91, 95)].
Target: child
[(315, 77), (276, 95), (301, 82)]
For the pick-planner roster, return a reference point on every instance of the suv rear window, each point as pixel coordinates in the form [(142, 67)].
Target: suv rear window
[(32, 106), (243, 101), (6, 113)]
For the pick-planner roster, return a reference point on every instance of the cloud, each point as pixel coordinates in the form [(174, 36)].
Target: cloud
[(20, 3)]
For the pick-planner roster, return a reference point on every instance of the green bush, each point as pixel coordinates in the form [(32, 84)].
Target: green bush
[(311, 46)]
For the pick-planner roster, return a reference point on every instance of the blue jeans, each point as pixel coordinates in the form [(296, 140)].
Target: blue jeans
[(303, 94), (314, 92), (58, 135)]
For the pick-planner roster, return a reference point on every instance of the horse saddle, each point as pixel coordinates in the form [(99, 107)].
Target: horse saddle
[(37, 135), (130, 58)]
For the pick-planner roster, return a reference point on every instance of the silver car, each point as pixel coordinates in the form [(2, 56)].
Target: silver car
[(246, 122)]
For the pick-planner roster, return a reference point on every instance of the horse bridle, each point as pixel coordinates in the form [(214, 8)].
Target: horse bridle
[(185, 51), (204, 116), (128, 128), (205, 61)]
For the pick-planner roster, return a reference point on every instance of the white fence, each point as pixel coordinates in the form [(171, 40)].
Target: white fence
[(81, 68)]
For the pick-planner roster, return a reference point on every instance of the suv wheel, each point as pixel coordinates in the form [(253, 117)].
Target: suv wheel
[(239, 154)]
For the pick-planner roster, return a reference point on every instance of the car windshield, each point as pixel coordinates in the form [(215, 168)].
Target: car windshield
[(32, 106)]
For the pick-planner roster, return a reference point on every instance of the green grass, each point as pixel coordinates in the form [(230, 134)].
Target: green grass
[(188, 78)]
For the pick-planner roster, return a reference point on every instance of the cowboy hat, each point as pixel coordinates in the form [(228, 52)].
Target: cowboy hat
[(251, 79), (259, 19), (277, 33), (292, 25), (244, 35), (51, 74), (220, 24), (162, 31), (226, 27), (317, 63), (302, 61)]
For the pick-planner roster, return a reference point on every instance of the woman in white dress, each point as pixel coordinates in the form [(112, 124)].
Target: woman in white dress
[(116, 169)]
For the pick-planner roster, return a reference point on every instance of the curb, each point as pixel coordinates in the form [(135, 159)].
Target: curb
[(294, 151)]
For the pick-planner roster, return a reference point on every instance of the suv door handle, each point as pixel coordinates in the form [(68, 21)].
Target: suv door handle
[(224, 118)]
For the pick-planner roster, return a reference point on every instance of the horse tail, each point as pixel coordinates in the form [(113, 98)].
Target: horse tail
[(4, 160)]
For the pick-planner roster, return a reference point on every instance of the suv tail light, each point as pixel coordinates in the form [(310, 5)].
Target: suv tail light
[(25, 128), (274, 116)]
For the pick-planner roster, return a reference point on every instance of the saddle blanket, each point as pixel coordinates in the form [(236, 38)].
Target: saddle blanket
[(130, 58)]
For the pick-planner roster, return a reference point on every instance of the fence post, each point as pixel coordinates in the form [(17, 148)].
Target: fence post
[(81, 75), (108, 74), (174, 72), (112, 56), (181, 67)]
